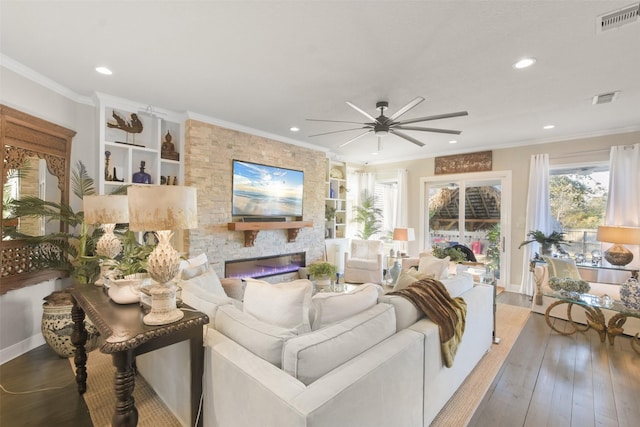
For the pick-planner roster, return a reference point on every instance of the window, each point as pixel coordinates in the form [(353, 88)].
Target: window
[(578, 199), (386, 196)]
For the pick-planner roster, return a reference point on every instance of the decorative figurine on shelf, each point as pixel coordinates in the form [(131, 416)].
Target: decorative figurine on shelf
[(169, 149), (107, 176), (132, 127), (141, 177)]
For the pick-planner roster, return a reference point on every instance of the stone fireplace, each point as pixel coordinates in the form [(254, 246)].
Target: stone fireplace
[(265, 266)]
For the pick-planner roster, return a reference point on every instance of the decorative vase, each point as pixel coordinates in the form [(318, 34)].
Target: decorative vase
[(142, 177), (124, 291), (630, 293), (394, 271), (57, 326)]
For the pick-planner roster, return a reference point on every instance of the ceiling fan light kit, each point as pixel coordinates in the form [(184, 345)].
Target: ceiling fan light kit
[(382, 125)]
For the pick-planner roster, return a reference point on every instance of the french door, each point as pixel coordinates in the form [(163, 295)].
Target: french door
[(471, 209)]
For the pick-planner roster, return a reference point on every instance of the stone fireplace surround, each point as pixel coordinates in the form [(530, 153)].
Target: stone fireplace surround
[(209, 151)]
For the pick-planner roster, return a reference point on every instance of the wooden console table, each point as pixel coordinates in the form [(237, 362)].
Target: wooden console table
[(251, 229), (124, 337)]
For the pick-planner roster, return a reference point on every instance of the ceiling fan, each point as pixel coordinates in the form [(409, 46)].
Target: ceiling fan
[(383, 125)]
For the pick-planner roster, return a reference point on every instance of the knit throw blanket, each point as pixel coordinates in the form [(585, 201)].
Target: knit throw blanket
[(432, 298)]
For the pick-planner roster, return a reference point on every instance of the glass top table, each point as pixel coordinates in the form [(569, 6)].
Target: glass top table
[(592, 305)]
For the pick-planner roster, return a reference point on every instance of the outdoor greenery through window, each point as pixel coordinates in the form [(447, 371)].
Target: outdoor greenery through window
[(578, 198)]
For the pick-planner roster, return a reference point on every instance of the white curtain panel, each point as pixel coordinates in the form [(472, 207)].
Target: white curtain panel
[(538, 215), (623, 204), (366, 181), (402, 204)]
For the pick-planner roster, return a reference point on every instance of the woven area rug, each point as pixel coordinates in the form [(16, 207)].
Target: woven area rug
[(460, 408), (101, 399)]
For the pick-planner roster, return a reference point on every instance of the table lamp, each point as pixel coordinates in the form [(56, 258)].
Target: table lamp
[(162, 209), (618, 235), (106, 210), (404, 234)]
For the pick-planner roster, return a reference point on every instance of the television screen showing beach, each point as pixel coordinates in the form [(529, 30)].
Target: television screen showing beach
[(266, 190)]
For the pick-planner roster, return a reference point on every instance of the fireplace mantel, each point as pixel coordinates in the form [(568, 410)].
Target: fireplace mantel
[(251, 229)]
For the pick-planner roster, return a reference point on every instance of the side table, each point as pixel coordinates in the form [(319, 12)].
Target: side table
[(124, 337)]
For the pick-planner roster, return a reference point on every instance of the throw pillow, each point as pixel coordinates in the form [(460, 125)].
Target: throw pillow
[(310, 356), (333, 307), (193, 267), (284, 304), (437, 267), (410, 276), (562, 267), (208, 282), (233, 287), (260, 338)]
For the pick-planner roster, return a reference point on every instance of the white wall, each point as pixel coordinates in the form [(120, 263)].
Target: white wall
[(20, 310)]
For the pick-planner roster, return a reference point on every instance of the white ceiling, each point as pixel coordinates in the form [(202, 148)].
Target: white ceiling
[(269, 65)]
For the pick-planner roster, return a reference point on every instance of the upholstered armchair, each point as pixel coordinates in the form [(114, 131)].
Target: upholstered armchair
[(363, 264)]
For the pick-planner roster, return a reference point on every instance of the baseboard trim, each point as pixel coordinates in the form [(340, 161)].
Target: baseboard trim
[(15, 350)]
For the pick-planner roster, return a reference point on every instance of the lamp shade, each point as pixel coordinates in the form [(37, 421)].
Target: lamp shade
[(106, 209), (404, 234), (618, 234), (162, 207)]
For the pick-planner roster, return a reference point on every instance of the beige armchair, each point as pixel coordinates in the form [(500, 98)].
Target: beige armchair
[(363, 264)]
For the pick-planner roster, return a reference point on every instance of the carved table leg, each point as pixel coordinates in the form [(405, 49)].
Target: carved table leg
[(595, 319), (126, 414), (614, 327), (79, 339), (575, 326)]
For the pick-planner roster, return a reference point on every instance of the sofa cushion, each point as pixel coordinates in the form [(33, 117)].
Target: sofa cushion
[(363, 264), (328, 308), (262, 339), (284, 304), (406, 312), (310, 356), (458, 284), (233, 287), (437, 267), (562, 267)]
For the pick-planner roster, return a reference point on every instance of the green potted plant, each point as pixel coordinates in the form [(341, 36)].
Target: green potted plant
[(455, 255), (367, 216), (322, 273), (554, 240)]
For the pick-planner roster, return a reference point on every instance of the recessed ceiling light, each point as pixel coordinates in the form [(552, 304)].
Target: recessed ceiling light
[(375, 154), (104, 70), (549, 127), (524, 63), (294, 129), (453, 141)]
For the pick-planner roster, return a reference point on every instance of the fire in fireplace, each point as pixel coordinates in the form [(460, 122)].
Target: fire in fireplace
[(264, 266)]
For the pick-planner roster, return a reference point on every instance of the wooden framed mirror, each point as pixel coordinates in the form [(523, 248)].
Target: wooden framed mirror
[(36, 156)]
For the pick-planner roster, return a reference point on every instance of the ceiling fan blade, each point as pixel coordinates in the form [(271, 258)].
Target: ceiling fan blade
[(333, 121), (407, 107), (361, 111), (353, 139), (439, 116), (336, 131), (454, 132), (407, 137)]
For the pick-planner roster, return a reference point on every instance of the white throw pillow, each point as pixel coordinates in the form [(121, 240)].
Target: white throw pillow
[(439, 268), (410, 276), (284, 304), (310, 356), (193, 267), (208, 282), (330, 308), (260, 338)]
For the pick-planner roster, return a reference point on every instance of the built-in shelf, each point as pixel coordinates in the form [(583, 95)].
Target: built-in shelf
[(251, 229)]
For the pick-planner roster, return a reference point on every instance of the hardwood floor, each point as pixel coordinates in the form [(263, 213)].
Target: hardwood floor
[(547, 380), (555, 380)]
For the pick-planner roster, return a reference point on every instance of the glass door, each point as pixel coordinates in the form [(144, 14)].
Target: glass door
[(467, 212)]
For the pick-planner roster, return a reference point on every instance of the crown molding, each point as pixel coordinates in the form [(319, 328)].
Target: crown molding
[(28, 73)]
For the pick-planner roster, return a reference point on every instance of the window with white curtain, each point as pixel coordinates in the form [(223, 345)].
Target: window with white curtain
[(386, 193)]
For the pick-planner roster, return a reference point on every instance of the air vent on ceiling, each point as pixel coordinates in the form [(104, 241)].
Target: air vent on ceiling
[(618, 18), (605, 98)]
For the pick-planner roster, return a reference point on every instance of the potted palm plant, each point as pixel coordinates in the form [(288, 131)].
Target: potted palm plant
[(367, 216), (554, 240)]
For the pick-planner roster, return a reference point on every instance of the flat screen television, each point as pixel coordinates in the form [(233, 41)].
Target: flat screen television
[(266, 191)]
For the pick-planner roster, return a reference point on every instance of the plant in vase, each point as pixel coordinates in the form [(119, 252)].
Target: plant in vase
[(554, 240), (129, 270), (323, 273)]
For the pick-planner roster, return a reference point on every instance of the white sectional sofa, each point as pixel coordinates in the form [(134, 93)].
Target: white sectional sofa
[(381, 366), (541, 302)]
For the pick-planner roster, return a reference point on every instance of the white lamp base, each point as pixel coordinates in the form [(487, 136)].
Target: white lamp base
[(163, 306)]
